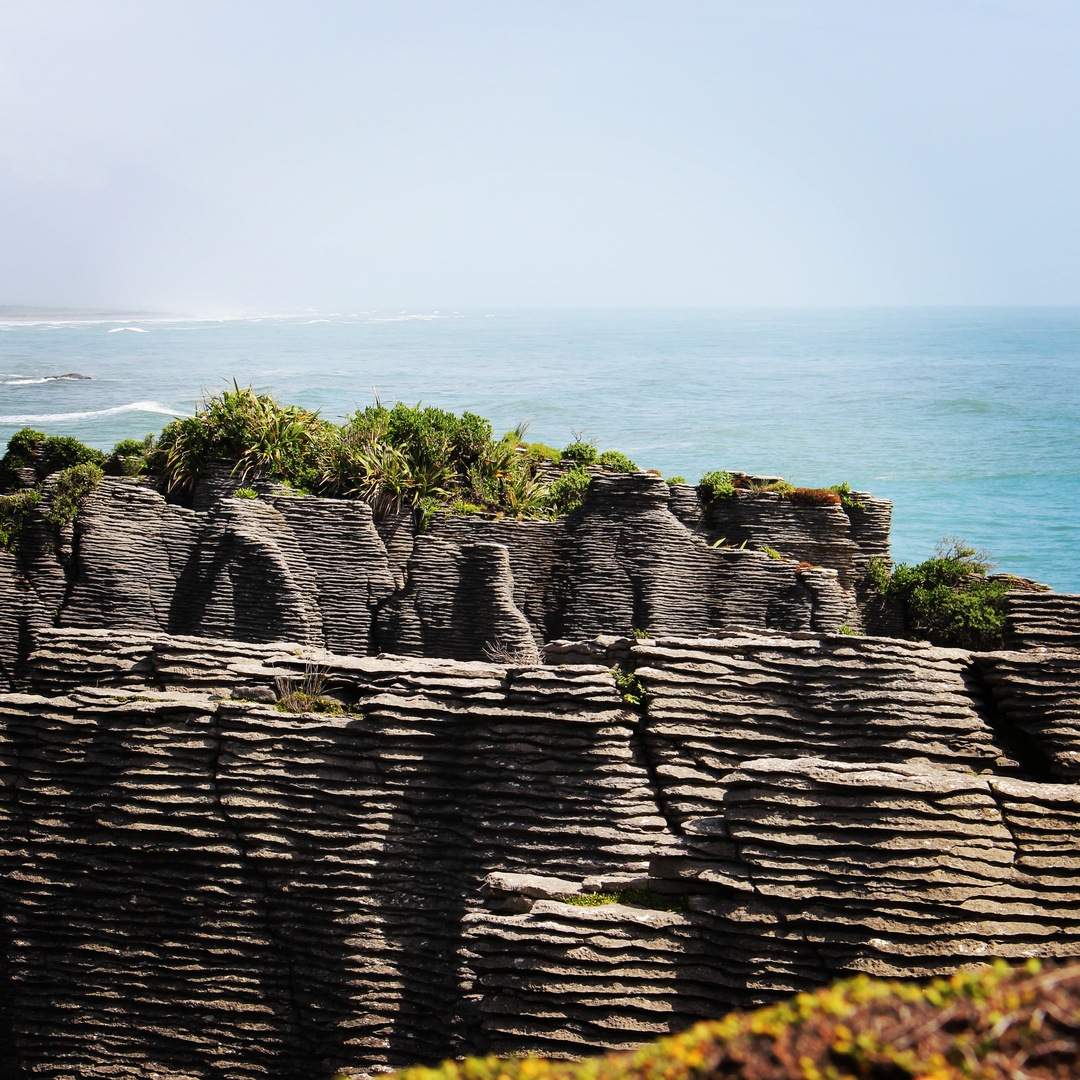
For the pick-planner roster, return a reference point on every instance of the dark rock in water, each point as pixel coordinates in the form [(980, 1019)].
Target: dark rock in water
[(69, 375)]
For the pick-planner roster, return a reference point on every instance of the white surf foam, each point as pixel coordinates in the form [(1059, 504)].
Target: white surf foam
[(56, 418), (133, 329)]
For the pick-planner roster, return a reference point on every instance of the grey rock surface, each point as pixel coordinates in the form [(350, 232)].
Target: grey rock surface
[(320, 571), (200, 885)]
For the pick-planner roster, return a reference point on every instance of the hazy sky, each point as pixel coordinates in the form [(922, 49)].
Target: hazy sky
[(192, 156)]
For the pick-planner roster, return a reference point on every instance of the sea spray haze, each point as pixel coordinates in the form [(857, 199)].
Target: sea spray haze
[(969, 419)]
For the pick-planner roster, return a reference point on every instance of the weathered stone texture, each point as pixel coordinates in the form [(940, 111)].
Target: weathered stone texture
[(196, 885), (1045, 620), (322, 572)]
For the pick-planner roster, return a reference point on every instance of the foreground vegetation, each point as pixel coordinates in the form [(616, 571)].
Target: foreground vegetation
[(993, 1023)]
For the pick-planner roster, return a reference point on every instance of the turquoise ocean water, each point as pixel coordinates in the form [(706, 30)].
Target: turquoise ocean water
[(968, 419)]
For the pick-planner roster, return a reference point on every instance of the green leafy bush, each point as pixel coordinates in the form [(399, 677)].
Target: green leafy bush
[(245, 493), (614, 461), (129, 457), (947, 599), (566, 493), (14, 510), (71, 489), (539, 452), (991, 1023), (629, 686), (848, 500), (44, 454), (771, 552), (63, 452), (715, 486), (676, 480), (582, 452), (462, 508), (252, 430), (774, 487)]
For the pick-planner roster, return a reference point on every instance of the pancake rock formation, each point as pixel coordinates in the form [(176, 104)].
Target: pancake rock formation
[(679, 790)]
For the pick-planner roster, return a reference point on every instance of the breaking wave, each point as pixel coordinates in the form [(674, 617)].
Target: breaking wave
[(53, 418)]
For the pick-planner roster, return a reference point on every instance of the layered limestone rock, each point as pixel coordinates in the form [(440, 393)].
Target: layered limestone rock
[(196, 884), (323, 573), (1042, 620)]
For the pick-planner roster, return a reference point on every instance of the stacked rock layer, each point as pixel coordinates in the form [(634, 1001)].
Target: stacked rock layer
[(322, 572), (196, 884)]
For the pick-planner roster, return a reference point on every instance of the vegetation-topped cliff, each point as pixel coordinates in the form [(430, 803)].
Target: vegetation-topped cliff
[(381, 775), (427, 467)]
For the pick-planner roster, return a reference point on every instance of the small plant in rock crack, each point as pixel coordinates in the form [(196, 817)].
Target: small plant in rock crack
[(525, 654), (640, 635), (632, 896), (305, 694), (629, 686)]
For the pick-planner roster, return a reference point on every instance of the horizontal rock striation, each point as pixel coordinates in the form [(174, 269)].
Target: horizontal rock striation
[(196, 884), (1042, 620), (1037, 694), (321, 572)]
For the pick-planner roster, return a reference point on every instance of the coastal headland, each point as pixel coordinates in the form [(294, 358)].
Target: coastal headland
[(366, 746)]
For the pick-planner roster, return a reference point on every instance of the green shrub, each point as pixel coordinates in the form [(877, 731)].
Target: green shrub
[(582, 452), (44, 454), (771, 552), (848, 500), (23, 449), (715, 486), (462, 508), (614, 461), (129, 456), (245, 493), (63, 452), (566, 493), (676, 480), (129, 447), (640, 635), (991, 1022), (630, 687), (539, 452), (70, 491), (947, 599), (774, 487), (14, 510), (261, 438)]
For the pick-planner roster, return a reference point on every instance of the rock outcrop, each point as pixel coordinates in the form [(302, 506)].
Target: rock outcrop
[(197, 884), (322, 572), (453, 855)]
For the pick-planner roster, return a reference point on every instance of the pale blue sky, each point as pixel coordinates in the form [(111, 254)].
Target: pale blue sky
[(340, 156)]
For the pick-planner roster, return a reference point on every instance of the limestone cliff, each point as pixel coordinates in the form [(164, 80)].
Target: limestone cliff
[(196, 884)]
